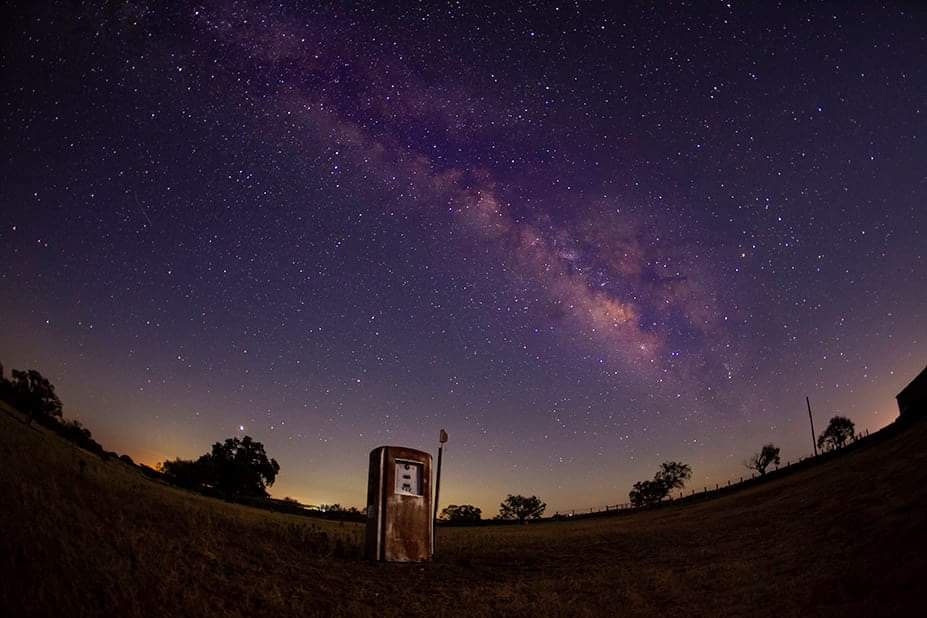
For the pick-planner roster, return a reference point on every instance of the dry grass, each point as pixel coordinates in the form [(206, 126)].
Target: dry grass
[(845, 537)]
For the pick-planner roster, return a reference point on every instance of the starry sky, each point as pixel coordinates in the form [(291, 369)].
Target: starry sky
[(583, 238)]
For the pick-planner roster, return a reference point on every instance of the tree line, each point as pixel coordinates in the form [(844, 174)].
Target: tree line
[(234, 468), (240, 467), (34, 395), (671, 475), (514, 508)]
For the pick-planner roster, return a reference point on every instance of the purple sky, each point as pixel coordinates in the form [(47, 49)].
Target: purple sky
[(582, 240)]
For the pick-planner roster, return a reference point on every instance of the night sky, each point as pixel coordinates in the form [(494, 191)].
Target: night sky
[(584, 239)]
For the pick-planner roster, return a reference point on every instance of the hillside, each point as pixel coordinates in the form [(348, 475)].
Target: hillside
[(846, 536)]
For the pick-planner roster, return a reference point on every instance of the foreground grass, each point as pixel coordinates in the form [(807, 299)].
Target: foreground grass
[(845, 537)]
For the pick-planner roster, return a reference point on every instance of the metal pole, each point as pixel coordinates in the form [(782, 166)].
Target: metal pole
[(442, 438), (814, 443)]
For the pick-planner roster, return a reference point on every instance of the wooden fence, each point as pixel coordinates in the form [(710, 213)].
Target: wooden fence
[(725, 487)]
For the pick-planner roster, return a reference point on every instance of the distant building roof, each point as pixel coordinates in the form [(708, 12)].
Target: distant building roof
[(914, 395)]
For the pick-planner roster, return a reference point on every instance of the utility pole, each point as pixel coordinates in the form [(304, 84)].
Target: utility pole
[(814, 443), (442, 438)]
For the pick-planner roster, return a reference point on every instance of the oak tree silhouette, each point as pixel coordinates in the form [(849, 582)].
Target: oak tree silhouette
[(236, 467), (768, 455), (461, 514), (840, 430), (671, 475), (521, 508), (33, 394)]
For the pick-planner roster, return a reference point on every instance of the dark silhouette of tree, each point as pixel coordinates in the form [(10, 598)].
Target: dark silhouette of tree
[(767, 456), (840, 430), (343, 513), (33, 394), (460, 514), (336, 509), (671, 475), (30, 392), (240, 467), (331, 508), (645, 493), (521, 508), (185, 473), (74, 431), (234, 468)]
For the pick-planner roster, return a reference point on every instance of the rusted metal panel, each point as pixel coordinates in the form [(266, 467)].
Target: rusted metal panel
[(399, 495)]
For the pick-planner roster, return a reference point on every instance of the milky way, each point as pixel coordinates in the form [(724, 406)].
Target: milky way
[(584, 239)]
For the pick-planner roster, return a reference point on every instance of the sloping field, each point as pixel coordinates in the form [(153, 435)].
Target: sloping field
[(846, 537)]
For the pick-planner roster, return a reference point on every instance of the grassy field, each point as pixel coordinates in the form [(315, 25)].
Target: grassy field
[(847, 537)]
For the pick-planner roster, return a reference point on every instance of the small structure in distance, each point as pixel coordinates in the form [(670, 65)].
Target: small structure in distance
[(912, 400)]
